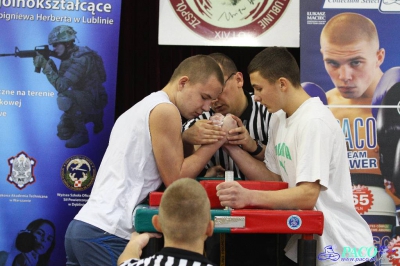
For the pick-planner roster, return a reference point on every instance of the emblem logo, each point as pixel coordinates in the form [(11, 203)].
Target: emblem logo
[(21, 170), (329, 254), (78, 173), (226, 19), (294, 222)]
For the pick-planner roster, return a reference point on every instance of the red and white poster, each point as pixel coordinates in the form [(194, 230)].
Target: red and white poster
[(229, 22)]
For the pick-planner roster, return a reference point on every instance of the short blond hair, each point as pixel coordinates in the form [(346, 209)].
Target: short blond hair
[(347, 28), (184, 212), (199, 68)]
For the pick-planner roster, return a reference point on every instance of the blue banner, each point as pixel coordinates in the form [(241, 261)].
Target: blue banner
[(55, 124)]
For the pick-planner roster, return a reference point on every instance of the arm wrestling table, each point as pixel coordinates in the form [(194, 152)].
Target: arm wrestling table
[(248, 220)]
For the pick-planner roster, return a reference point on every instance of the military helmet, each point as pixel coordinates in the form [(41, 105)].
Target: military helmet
[(62, 34)]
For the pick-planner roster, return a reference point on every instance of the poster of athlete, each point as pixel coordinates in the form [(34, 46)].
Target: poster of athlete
[(349, 52), (256, 23), (58, 62)]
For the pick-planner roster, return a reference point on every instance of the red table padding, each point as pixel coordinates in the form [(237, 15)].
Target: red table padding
[(210, 187), (155, 198), (277, 221)]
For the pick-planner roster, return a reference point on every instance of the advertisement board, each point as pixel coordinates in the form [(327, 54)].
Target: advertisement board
[(349, 51), (58, 62)]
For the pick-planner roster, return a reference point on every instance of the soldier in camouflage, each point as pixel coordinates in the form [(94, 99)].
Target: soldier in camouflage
[(79, 82)]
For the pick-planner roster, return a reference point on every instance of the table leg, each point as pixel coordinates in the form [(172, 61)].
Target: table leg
[(307, 251)]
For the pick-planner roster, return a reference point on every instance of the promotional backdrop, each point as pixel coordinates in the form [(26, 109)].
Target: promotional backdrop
[(370, 122), (41, 179)]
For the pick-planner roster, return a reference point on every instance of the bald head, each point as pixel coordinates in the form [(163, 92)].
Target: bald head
[(348, 28), (184, 212)]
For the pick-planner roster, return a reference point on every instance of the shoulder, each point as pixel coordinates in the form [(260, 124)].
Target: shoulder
[(81, 51), (165, 110), (165, 117), (317, 118)]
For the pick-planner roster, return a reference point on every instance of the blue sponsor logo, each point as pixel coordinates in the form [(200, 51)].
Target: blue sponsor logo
[(294, 222), (349, 254)]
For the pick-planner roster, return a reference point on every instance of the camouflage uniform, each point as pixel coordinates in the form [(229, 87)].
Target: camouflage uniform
[(81, 94)]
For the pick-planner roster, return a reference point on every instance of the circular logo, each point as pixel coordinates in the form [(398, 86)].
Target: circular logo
[(78, 173), (293, 222), (227, 19), (362, 198)]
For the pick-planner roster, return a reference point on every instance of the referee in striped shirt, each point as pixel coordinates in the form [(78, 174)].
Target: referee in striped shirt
[(239, 249), (235, 100)]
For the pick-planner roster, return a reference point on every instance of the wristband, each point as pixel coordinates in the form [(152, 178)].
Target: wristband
[(258, 150)]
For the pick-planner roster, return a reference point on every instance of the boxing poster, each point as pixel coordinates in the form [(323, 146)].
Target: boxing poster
[(255, 23), (350, 59), (58, 62)]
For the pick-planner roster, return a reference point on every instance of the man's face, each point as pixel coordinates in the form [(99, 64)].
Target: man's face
[(194, 99), (59, 48), (265, 92), (352, 67), (228, 100)]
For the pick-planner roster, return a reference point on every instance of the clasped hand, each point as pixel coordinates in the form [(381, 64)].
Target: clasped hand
[(232, 194)]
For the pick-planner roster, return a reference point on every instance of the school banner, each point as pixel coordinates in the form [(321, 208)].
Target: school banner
[(350, 58), (229, 23), (58, 62)]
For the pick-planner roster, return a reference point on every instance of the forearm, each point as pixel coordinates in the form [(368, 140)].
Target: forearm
[(254, 147), (261, 155), (128, 254), (251, 167), (194, 164), (301, 197)]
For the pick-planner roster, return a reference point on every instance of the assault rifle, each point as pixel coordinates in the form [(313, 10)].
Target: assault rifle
[(42, 49)]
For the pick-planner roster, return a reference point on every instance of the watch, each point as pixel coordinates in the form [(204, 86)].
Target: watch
[(259, 148)]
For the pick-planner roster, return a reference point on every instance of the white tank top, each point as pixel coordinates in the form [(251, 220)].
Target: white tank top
[(128, 171)]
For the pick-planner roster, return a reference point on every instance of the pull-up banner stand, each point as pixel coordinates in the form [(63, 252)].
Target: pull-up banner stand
[(58, 62), (349, 52)]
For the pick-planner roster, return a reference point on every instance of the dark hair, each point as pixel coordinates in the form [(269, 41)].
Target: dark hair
[(199, 69), (226, 63), (276, 62), (33, 227)]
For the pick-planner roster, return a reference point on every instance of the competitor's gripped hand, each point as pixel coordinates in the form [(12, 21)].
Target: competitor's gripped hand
[(203, 132), (232, 194)]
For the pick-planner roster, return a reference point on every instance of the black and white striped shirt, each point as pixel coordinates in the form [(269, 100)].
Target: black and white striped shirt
[(255, 118), (171, 257)]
